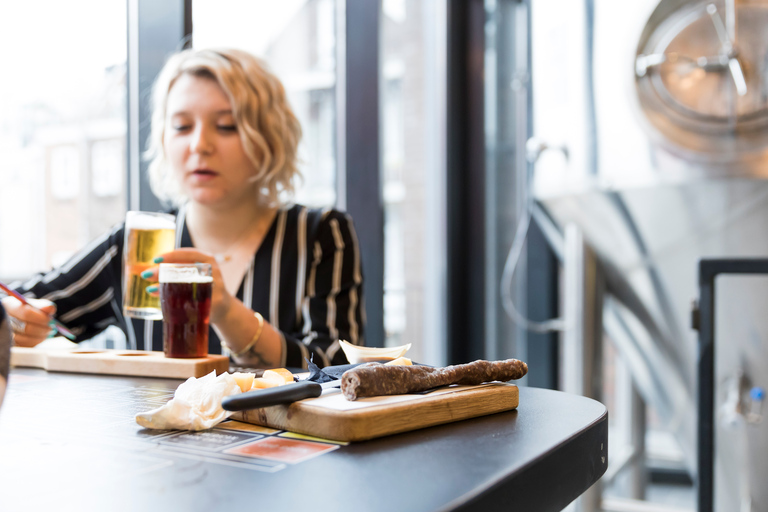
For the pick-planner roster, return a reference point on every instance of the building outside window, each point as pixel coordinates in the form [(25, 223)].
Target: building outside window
[(412, 111), (107, 168), (67, 95), (297, 39)]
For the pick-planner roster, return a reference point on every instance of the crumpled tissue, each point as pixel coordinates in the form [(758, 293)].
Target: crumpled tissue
[(196, 404)]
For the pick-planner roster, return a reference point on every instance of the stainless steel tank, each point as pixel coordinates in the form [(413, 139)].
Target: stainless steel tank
[(663, 110)]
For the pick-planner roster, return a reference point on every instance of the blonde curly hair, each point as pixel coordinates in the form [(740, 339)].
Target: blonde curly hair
[(268, 129)]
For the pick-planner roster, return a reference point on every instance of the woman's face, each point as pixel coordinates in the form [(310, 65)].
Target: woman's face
[(203, 146)]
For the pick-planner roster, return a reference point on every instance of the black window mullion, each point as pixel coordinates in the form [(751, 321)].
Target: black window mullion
[(155, 31), (465, 181), (361, 160)]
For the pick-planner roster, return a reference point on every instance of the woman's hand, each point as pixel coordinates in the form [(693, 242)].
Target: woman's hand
[(235, 323), (29, 325), (221, 299)]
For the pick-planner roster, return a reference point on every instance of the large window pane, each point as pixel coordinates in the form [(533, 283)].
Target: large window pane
[(297, 39), (505, 125), (62, 128), (413, 76)]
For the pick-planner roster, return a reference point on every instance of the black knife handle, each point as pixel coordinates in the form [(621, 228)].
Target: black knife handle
[(268, 397)]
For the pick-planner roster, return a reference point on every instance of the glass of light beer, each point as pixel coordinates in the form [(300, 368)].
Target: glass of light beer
[(147, 235), (185, 298)]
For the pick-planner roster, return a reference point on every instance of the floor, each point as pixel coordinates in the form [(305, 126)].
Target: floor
[(666, 492), (675, 495)]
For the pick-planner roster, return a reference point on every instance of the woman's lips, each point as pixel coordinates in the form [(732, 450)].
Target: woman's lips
[(202, 175)]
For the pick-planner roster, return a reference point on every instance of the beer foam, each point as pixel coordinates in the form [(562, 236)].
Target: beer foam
[(150, 222), (182, 275)]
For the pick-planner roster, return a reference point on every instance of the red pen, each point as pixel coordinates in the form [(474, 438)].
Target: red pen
[(58, 325)]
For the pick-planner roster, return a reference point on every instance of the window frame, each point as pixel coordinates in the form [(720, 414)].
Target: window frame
[(155, 31)]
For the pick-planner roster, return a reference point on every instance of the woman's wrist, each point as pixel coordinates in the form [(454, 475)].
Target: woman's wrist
[(252, 345), (250, 339)]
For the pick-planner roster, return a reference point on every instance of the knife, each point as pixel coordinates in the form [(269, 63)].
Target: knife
[(277, 395)]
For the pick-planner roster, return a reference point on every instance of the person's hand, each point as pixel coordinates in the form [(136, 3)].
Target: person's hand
[(29, 325), (221, 299)]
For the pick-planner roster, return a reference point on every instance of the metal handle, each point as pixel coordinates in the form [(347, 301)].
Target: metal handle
[(535, 146)]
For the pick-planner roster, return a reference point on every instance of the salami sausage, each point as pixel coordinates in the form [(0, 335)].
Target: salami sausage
[(376, 379)]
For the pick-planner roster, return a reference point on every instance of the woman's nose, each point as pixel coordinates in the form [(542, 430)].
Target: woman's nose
[(201, 141)]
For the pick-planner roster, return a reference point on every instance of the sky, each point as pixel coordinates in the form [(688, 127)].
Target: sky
[(65, 44), (259, 22), (53, 49)]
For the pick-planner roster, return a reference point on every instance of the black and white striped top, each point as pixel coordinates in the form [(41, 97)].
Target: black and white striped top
[(305, 279), (5, 348)]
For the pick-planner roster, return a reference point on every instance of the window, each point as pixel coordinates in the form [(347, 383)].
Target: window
[(67, 90), (107, 168), (297, 39), (65, 172), (413, 113)]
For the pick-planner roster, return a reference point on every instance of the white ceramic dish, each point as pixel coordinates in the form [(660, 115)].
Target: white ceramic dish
[(357, 354)]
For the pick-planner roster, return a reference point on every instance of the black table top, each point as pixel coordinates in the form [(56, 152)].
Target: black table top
[(69, 442)]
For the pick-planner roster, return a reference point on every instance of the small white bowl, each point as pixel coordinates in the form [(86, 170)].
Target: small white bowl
[(357, 354)]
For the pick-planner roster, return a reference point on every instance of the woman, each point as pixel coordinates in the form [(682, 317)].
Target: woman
[(287, 279)]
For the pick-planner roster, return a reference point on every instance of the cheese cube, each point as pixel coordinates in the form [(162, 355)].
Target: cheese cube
[(262, 383), (244, 380), (279, 374)]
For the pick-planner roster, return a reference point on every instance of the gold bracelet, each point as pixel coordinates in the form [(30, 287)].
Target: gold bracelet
[(255, 337)]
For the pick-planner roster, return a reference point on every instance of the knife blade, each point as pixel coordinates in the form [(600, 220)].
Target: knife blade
[(277, 395)]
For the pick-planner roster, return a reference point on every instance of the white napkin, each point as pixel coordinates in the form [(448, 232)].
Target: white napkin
[(196, 404)]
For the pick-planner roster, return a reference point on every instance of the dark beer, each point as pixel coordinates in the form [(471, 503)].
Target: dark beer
[(186, 305)]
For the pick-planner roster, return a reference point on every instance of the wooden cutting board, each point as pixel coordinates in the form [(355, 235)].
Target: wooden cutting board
[(333, 417), (137, 363)]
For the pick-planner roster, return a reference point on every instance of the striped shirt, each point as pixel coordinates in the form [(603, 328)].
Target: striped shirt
[(305, 279), (5, 348)]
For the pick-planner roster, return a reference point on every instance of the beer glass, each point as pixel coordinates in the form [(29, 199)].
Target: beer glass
[(185, 298), (147, 235)]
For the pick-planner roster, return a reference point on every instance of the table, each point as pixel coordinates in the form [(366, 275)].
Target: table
[(69, 442)]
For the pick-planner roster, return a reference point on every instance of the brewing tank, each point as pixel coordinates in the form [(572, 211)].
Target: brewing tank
[(660, 113)]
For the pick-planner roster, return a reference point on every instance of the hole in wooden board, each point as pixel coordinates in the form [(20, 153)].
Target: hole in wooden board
[(134, 354), (88, 352)]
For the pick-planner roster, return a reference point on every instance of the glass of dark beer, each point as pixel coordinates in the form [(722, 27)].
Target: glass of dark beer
[(185, 299)]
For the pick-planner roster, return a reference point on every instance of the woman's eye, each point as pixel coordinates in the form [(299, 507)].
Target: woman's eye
[(181, 127), (227, 127)]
